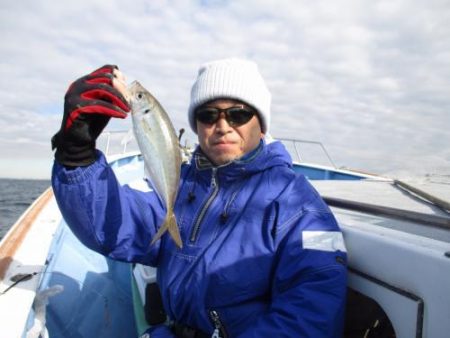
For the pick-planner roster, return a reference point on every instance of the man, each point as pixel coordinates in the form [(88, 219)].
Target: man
[(263, 255)]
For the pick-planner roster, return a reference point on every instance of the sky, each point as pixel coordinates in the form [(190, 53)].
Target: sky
[(369, 79)]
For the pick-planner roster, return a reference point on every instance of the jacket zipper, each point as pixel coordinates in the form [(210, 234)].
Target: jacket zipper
[(215, 186), (219, 329)]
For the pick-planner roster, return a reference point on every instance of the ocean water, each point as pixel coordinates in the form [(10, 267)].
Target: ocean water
[(16, 195)]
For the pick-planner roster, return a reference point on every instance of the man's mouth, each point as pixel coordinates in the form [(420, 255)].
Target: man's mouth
[(222, 142)]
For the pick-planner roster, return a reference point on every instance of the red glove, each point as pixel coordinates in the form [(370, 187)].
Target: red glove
[(88, 105)]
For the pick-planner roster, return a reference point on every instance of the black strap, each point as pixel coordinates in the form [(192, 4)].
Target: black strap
[(154, 309), (184, 331)]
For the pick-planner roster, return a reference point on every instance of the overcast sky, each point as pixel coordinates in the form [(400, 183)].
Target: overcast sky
[(368, 79)]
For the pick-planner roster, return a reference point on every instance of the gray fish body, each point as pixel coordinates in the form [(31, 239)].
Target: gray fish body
[(160, 149)]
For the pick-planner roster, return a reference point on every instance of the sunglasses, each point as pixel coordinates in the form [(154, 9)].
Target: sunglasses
[(235, 116)]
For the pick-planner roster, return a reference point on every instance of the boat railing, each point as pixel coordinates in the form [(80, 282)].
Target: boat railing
[(306, 151), (118, 142)]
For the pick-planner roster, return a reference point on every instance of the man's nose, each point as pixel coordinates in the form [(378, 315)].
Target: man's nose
[(222, 123)]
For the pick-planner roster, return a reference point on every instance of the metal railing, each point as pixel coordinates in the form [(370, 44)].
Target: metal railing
[(116, 142), (298, 154), (122, 141)]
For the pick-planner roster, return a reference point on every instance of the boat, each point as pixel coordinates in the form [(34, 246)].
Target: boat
[(397, 237)]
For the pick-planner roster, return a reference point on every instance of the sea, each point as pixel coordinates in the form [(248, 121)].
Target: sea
[(16, 195)]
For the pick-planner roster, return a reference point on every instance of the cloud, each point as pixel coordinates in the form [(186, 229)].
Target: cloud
[(369, 79)]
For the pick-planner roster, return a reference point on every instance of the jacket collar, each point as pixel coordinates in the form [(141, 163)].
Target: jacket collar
[(202, 162), (263, 157)]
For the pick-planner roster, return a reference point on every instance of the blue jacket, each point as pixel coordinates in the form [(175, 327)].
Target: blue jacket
[(263, 255)]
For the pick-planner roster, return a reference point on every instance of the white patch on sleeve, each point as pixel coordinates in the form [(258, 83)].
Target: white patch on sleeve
[(140, 185), (323, 240)]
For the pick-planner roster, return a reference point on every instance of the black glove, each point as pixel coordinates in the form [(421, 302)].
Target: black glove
[(88, 105)]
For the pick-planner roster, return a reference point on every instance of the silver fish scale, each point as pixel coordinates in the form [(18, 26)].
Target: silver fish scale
[(158, 143)]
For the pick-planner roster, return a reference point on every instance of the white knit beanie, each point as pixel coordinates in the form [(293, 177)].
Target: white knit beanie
[(235, 79)]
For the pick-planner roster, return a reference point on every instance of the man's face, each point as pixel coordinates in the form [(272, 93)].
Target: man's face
[(223, 143)]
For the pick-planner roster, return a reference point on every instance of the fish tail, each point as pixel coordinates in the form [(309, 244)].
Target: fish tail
[(173, 230), (170, 223)]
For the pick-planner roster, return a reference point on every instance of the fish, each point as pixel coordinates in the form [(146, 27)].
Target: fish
[(161, 151)]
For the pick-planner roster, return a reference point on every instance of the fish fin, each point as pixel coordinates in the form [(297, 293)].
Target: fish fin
[(170, 223)]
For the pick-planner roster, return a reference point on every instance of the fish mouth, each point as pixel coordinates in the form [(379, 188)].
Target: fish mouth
[(133, 88), (134, 84)]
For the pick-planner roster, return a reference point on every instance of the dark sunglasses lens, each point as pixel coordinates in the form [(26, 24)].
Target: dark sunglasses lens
[(239, 116), (207, 115)]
